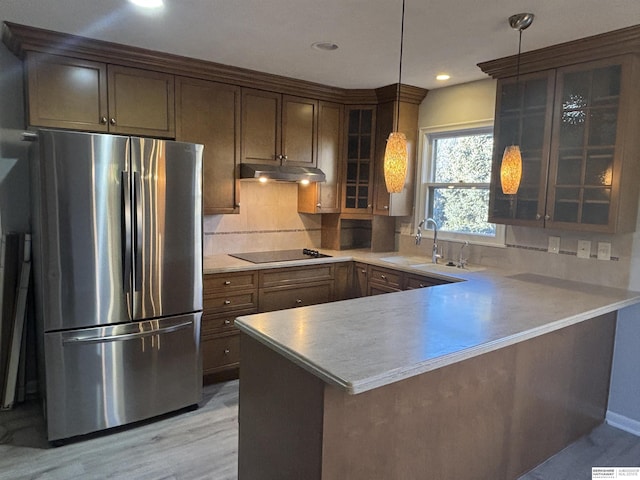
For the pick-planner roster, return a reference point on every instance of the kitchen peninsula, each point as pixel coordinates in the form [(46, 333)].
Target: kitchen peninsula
[(481, 378)]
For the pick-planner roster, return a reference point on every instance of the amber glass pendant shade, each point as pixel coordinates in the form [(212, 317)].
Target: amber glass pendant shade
[(395, 162), (511, 170)]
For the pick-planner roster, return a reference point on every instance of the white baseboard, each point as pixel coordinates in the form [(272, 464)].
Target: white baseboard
[(623, 423)]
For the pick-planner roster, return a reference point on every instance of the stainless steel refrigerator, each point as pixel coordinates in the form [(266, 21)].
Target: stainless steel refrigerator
[(117, 235)]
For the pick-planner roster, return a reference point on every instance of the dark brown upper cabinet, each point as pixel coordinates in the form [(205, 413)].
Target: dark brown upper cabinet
[(65, 92), (209, 113), (278, 129), (324, 197), (577, 128)]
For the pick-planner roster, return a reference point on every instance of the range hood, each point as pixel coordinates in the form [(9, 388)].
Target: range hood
[(281, 173)]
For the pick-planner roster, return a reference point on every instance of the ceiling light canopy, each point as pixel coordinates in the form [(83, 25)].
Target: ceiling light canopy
[(324, 46), (148, 3), (443, 76)]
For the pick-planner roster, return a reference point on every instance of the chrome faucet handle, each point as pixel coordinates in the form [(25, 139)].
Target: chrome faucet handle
[(461, 260), (419, 233)]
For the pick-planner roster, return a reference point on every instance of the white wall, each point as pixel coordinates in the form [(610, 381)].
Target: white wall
[(14, 165), (526, 250), (459, 104)]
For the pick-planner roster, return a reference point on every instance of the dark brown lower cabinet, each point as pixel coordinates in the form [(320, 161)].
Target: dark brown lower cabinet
[(230, 295)]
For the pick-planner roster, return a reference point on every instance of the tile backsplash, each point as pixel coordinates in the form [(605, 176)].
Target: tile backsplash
[(268, 220), (526, 250)]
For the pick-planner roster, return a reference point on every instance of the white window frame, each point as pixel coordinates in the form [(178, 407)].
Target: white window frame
[(425, 175)]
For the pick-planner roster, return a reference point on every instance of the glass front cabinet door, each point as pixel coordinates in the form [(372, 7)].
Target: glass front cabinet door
[(524, 113), (360, 146), (580, 165)]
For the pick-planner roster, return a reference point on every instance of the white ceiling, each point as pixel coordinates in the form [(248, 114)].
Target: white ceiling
[(275, 36)]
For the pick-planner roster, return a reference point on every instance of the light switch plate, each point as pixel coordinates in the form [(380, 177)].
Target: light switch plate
[(554, 245), (584, 248), (604, 251)]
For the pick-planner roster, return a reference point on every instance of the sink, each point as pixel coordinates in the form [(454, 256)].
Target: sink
[(420, 263), (405, 261), (451, 269)]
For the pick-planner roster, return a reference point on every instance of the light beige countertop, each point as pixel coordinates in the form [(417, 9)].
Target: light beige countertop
[(369, 342)]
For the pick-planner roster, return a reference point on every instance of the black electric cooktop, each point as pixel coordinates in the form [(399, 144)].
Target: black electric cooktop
[(279, 255)]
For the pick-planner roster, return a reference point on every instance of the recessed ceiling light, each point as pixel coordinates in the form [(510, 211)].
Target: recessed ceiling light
[(326, 46), (442, 77), (148, 3)]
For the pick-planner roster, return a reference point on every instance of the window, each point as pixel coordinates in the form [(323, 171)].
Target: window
[(455, 190)]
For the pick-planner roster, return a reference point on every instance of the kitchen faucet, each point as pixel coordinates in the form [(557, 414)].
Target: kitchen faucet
[(434, 249)]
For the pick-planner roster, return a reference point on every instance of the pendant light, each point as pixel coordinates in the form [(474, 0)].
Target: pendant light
[(511, 167), (395, 153)]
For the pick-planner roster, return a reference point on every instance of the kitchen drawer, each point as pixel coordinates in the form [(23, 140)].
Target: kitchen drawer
[(420, 281), (278, 298), (228, 282), (385, 276), (295, 275), (220, 352), (379, 289), (230, 302), (218, 323)]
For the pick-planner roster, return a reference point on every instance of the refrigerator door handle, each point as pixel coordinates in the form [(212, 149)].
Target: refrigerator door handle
[(137, 198), (127, 336), (125, 190)]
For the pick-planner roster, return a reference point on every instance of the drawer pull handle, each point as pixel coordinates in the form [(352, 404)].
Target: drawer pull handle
[(228, 282), (421, 285), (227, 302), (227, 351), (227, 322), (363, 271), (383, 277), (298, 301)]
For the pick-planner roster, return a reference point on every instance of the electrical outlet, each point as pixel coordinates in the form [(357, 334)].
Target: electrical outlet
[(604, 251), (584, 249), (554, 245)]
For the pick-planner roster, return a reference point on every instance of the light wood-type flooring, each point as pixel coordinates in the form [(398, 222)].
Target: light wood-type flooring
[(202, 444)]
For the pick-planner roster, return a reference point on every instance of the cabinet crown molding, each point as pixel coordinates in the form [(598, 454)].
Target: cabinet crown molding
[(605, 45), (408, 94), (21, 39)]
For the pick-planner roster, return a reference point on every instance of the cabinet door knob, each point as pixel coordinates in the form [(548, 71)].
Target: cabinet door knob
[(278, 157), (227, 351), (547, 217), (538, 216), (227, 322), (227, 302), (227, 282), (421, 285), (386, 207), (112, 121), (318, 205), (383, 277), (285, 158), (103, 120), (298, 301)]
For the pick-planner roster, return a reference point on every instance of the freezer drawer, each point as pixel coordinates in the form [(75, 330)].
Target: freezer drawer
[(99, 378)]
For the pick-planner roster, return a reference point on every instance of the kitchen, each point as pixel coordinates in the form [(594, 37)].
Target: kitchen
[(526, 247)]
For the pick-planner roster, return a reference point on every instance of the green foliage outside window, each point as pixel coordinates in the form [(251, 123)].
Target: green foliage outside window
[(462, 162)]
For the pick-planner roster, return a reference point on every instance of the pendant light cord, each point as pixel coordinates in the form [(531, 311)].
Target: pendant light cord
[(515, 133), (400, 70), (519, 51)]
